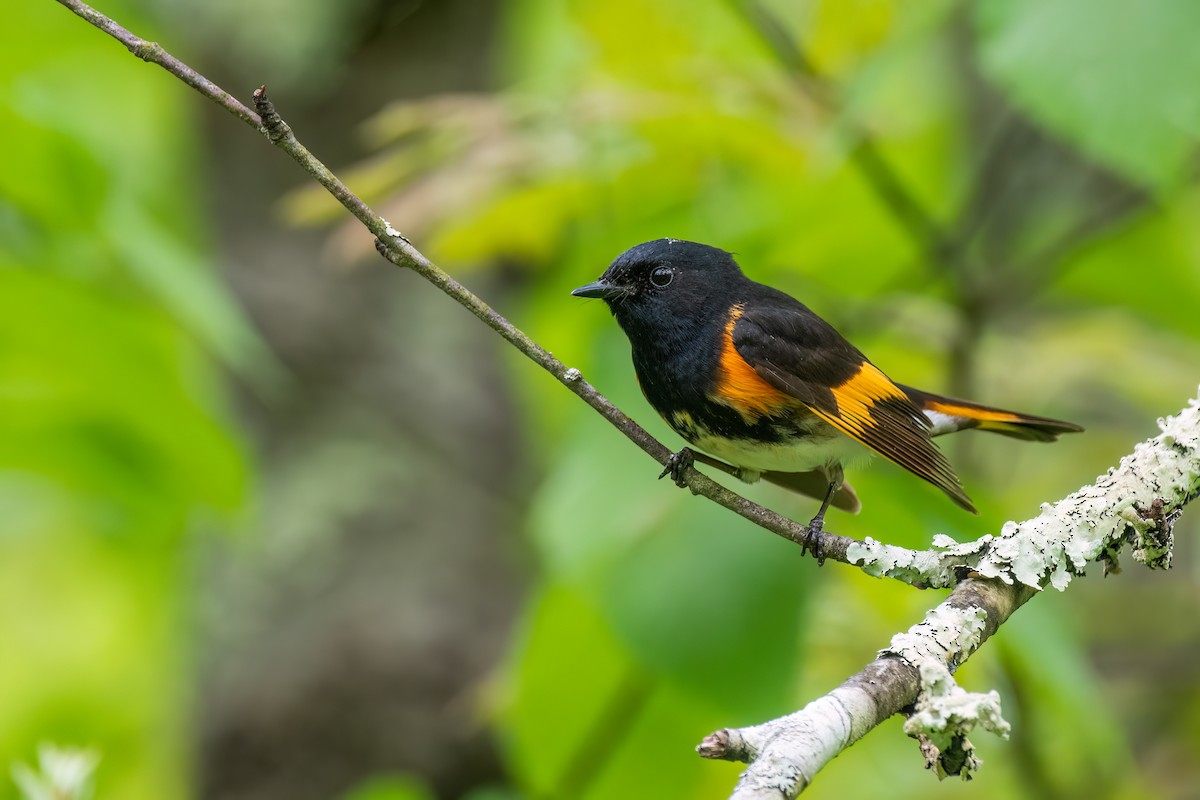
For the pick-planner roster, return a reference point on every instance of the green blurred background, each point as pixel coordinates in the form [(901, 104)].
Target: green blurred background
[(280, 521)]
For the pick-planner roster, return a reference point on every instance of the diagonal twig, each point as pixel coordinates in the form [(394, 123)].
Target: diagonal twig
[(393, 246)]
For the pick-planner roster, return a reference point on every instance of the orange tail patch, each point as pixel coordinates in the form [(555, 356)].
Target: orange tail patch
[(986, 418)]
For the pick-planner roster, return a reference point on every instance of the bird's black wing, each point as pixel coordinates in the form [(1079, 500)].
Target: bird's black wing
[(798, 353)]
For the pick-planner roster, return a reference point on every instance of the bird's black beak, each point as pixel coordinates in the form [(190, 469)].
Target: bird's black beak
[(601, 288)]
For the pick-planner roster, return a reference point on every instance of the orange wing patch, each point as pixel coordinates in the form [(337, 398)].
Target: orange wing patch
[(855, 397), (740, 387), (877, 412)]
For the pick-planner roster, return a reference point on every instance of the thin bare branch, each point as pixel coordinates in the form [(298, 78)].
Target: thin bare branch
[(394, 247)]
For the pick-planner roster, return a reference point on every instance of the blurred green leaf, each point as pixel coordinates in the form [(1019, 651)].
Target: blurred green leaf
[(1114, 78), (113, 438), (1161, 244), (75, 409), (130, 210), (569, 661), (1050, 681), (586, 720), (703, 592)]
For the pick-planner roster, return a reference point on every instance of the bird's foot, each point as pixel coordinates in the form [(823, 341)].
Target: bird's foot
[(812, 532), (677, 465), (812, 540)]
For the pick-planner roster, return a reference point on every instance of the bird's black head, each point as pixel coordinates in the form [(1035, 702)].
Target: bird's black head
[(665, 283)]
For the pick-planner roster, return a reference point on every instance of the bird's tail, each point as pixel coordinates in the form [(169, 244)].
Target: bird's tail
[(947, 415)]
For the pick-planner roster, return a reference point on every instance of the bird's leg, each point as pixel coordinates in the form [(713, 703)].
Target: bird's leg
[(677, 465), (812, 533)]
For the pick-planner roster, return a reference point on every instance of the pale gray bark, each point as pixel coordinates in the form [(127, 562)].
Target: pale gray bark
[(1135, 504)]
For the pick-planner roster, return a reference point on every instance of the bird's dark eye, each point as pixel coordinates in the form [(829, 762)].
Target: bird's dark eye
[(661, 276)]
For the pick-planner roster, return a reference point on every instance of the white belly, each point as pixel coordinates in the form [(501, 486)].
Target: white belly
[(803, 455)]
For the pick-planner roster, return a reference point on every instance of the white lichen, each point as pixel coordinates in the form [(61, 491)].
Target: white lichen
[(1134, 504), (945, 713)]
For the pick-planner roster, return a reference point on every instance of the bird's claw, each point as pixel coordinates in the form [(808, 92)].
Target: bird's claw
[(812, 540), (677, 466)]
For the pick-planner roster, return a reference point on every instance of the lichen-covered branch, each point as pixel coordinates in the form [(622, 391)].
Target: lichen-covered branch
[(785, 754), (1135, 504)]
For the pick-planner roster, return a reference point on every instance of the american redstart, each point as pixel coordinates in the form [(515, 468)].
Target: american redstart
[(753, 377)]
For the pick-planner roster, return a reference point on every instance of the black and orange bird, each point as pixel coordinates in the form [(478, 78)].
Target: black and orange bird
[(751, 376)]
